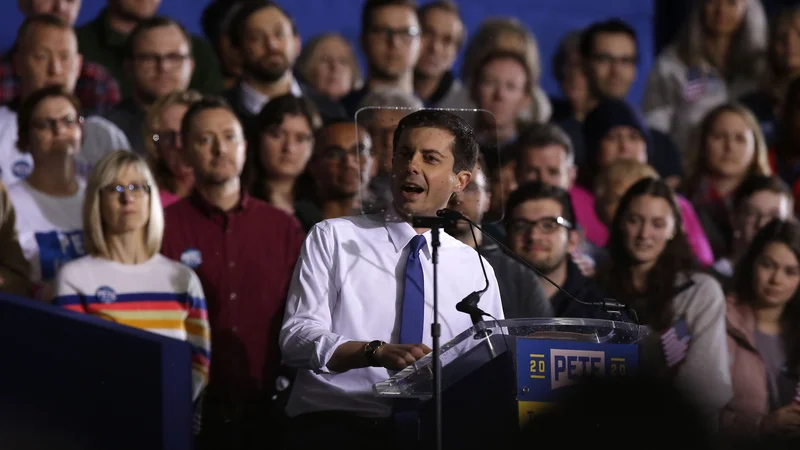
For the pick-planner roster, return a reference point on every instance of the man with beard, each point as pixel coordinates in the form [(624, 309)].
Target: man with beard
[(541, 229), (390, 41), (360, 300), (341, 166), (243, 251), (268, 44), (520, 288), (103, 41), (158, 58)]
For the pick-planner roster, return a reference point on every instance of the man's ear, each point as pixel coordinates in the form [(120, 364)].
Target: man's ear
[(462, 180)]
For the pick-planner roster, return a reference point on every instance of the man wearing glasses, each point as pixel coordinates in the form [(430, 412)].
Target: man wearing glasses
[(390, 38), (541, 229), (158, 60)]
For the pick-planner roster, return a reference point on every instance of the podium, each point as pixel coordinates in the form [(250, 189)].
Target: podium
[(74, 381), (497, 376)]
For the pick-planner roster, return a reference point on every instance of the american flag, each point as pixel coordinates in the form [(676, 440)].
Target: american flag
[(675, 343), (695, 86), (797, 394)]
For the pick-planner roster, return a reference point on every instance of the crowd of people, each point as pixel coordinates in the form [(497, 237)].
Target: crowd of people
[(253, 196)]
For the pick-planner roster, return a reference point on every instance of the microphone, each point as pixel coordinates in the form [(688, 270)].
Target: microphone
[(451, 215)]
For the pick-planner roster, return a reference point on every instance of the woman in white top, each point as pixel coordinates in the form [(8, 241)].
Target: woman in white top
[(49, 201), (124, 278), (717, 57)]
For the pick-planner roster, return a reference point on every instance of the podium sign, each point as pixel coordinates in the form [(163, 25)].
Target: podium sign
[(547, 369)]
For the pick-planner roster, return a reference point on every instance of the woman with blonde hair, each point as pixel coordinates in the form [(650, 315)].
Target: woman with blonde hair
[(162, 137), (511, 35), (124, 278), (716, 58), (729, 147), (329, 65)]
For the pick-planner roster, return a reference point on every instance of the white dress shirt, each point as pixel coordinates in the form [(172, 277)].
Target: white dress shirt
[(253, 100), (348, 286)]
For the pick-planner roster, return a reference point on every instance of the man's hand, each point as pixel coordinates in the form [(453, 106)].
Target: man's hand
[(783, 421), (400, 356)]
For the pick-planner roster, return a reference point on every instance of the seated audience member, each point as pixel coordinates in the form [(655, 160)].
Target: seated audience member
[(501, 86), (730, 147), (783, 157), (617, 178), (520, 289), (651, 269), (380, 112), (278, 152), (163, 146), (45, 42), (568, 72), (124, 278), (267, 40), (763, 337), (215, 22), (243, 250), (756, 202), (328, 64), (716, 57), (390, 40), (507, 34), (102, 40), (158, 60), (341, 168), (783, 67), (610, 55), (443, 34), (97, 90), (541, 229), (14, 268), (49, 201)]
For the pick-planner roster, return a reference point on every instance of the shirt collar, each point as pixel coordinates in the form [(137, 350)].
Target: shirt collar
[(253, 100), (208, 209), (401, 232)]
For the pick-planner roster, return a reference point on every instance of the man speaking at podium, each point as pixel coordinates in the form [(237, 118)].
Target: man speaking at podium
[(361, 301)]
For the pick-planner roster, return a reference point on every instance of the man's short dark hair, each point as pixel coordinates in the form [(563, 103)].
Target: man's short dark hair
[(612, 26), (204, 104), (46, 20), (29, 104), (465, 146), (444, 5), (536, 190), (757, 183), (151, 24), (370, 6), (239, 19), (540, 135)]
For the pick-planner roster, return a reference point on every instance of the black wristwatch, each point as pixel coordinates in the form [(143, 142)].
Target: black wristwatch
[(369, 352)]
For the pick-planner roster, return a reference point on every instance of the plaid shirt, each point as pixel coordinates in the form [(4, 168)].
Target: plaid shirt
[(96, 88)]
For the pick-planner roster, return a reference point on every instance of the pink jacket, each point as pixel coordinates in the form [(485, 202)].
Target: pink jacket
[(597, 233), (750, 403)]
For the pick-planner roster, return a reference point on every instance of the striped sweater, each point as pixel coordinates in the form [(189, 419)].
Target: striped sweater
[(159, 295)]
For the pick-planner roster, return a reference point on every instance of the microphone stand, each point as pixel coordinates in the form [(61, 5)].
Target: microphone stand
[(434, 224)]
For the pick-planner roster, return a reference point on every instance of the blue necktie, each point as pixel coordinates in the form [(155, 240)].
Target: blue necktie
[(413, 295)]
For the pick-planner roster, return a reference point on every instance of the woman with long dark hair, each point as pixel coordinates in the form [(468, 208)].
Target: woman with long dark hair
[(764, 336), (278, 152), (652, 269)]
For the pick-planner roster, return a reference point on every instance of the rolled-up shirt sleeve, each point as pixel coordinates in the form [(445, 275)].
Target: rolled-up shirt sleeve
[(307, 340)]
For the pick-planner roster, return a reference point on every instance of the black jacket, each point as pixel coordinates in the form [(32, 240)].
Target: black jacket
[(583, 289), (520, 289)]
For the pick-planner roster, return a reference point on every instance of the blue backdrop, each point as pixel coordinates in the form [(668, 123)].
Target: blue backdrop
[(549, 20)]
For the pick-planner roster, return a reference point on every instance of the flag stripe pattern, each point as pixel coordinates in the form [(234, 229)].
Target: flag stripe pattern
[(675, 343)]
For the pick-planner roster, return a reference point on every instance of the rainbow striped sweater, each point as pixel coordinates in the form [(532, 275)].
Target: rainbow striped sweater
[(160, 295)]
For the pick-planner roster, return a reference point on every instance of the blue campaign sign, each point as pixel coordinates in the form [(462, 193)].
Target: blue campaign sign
[(546, 369)]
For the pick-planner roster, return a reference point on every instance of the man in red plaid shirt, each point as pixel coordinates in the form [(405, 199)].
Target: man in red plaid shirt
[(97, 90)]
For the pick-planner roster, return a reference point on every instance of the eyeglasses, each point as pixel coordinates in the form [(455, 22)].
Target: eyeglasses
[(546, 225), (169, 139), (135, 190), (169, 61), (67, 121), (405, 34)]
